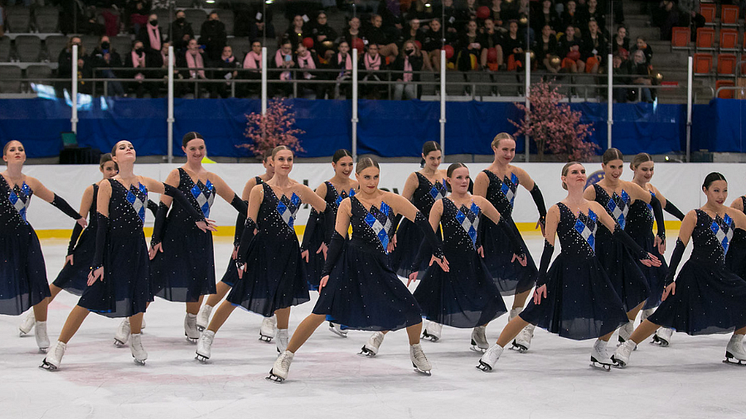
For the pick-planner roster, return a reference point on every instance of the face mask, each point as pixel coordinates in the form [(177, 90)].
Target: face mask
[(409, 51), (139, 51), (105, 45), (154, 22), (180, 20)]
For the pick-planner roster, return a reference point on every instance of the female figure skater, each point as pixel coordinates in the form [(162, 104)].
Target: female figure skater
[(271, 276), (574, 298), (267, 330), (423, 188), (616, 196), (499, 184), (359, 289), (318, 234), (706, 297), (118, 284), (23, 275), (182, 264), (640, 226), (735, 259), (74, 273), (465, 296)]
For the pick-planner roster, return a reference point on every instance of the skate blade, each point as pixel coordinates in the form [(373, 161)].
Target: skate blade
[(139, 361), (264, 338), (618, 363), (730, 359), (273, 377), (478, 349), (201, 328), (517, 347), (367, 352), (201, 358), (193, 341), (423, 372), (430, 337), (659, 341), (118, 343), (47, 366), (484, 366), (43, 350), (341, 334), (601, 365)]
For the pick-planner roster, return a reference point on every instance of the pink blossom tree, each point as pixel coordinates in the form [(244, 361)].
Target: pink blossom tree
[(275, 128), (554, 126)]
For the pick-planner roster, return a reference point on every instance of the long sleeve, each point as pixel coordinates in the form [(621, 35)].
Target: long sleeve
[(101, 235), (678, 252), (336, 246), (160, 224), (671, 209), (546, 257), (246, 237), (63, 206), (240, 222), (179, 197), (77, 229), (658, 214)]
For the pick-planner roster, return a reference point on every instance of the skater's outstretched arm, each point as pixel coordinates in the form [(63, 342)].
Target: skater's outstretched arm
[(42, 192), (85, 207), (102, 209), (685, 233), (494, 215), (550, 233), (336, 245), (646, 258)]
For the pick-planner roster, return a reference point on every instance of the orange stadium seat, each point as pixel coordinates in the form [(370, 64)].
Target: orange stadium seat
[(708, 10), (728, 15), (728, 39), (727, 65), (680, 37), (705, 38), (724, 94), (702, 64)]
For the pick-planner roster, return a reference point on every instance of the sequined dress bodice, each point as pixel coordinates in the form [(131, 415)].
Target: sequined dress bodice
[(334, 197), (640, 218), (460, 226), (13, 205), (617, 205), (501, 193), (371, 228), (200, 195), (277, 215), (427, 193), (711, 237), (127, 208), (577, 235), (92, 212)]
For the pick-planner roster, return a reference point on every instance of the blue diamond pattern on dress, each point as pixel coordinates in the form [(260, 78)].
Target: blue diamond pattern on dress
[(137, 197), (723, 229), (344, 195), (650, 207), (618, 207), (205, 196), (379, 221), (469, 220), (439, 190), (20, 198), (288, 208), (587, 229), (509, 187)]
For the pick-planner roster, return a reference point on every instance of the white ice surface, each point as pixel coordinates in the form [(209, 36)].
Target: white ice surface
[(329, 380)]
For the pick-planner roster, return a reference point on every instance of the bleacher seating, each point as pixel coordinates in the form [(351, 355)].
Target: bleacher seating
[(724, 94), (728, 15), (702, 64), (708, 10), (227, 17), (28, 48), (240, 45), (8, 72), (46, 19), (196, 17), (680, 38), (55, 44), (18, 19), (121, 44), (35, 73), (4, 49), (705, 39), (727, 65), (728, 39)]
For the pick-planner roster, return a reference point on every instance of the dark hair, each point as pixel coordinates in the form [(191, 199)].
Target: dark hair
[(612, 154), (453, 168), (267, 155), (428, 148), (712, 177), (499, 137), (339, 154), (280, 148), (365, 163), (114, 149), (565, 169), (105, 158), (639, 159), (189, 136), (7, 145)]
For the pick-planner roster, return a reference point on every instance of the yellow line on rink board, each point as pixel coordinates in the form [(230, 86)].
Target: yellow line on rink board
[(228, 231)]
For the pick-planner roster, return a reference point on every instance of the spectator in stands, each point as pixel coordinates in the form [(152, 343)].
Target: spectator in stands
[(620, 43), (142, 63), (643, 46), (420, 9), (666, 16), (213, 37), (515, 47), (180, 31), (192, 60), (2, 20), (136, 13), (469, 48), (296, 32), (450, 16), (413, 32), (352, 31), (432, 45), (393, 20), (163, 60), (593, 49), (491, 39), (260, 25), (151, 38), (641, 74), (308, 62), (92, 22), (497, 15), (104, 56), (470, 9), (283, 61), (546, 16), (228, 71), (342, 61), (65, 67), (621, 71), (697, 21), (569, 51), (323, 37), (253, 63), (376, 35), (570, 16), (372, 66), (407, 64), (112, 20), (593, 12), (546, 51)]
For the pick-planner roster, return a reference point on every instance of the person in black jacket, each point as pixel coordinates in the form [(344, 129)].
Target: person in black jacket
[(546, 16), (151, 37), (372, 67), (568, 50), (296, 32), (139, 65), (546, 50), (180, 32), (65, 67), (213, 37), (491, 38), (407, 65), (323, 37), (375, 34), (105, 56), (228, 65), (571, 16), (593, 49), (514, 47)]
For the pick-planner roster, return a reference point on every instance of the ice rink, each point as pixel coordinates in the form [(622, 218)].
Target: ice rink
[(329, 380)]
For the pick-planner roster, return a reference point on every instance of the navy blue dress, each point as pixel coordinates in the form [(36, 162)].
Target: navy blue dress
[(466, 296), (709, 298), (581, 302), (363, 292), (735, 259), (639, 225), (124, 289), (510, 277), (185, 270), (315, 263), (274, 276), (23, 275), (231, 272), (621, 267), (409, 236), (74, 278)]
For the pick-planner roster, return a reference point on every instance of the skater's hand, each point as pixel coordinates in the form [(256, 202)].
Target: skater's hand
[(241, 270), (480, 251), (539, 224), (670, 289), (661, 244), (322, 283), (83, 223), (206, 225), (540, 293), (322, 249), (443, 263), (95, 275), (304, 255), (392, 245), (521, 259), (69, 258), (235, 252), (154, 250), (412, 277), (651, 261)]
